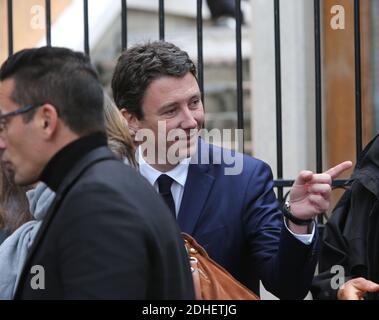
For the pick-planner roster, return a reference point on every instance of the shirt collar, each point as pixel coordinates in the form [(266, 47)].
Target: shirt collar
[(179, 173)]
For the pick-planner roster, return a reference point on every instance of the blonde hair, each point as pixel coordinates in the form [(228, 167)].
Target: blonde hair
[(119, 138)]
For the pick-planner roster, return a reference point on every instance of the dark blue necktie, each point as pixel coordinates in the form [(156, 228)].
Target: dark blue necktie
[(164, 186)]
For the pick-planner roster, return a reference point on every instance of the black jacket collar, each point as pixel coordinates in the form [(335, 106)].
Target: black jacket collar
[(63, 161)]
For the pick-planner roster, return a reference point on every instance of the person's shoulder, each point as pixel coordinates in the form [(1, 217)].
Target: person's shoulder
[(112, 164), (110, 186), (110, 176)]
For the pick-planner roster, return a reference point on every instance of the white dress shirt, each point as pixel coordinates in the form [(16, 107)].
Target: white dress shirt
[(179, 175)]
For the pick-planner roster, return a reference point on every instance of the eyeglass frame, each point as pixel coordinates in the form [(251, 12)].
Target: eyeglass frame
[(16, 112)]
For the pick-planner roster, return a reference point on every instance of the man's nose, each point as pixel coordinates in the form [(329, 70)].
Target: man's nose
[(188, 120)]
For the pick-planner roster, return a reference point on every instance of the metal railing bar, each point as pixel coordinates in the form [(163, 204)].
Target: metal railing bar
[(48, 22), (318, 93), (10, 26), (358, 83), (86, 26), (161, 20), (200, 63), (238, 16), (124, 24), (278, 87), (288, 183)]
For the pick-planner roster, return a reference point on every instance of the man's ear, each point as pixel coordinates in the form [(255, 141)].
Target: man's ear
[(132, 120), (48, 119)]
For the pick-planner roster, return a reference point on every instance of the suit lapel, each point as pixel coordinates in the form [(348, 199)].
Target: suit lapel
[(196, 192)]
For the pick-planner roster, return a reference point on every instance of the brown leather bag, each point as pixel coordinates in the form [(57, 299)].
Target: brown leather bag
[(211, 281)]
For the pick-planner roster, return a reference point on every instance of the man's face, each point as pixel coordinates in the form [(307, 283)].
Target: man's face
[(19, 147), (173, 103)]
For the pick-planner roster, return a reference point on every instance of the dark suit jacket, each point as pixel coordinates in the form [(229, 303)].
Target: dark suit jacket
[(107, 235), (237, 220)]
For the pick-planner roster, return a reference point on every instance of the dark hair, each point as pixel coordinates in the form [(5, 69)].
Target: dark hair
[(14, 205), (61, 77), (138, 66)]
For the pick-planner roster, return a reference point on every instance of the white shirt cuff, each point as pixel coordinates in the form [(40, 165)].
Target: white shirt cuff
[(304, 238)]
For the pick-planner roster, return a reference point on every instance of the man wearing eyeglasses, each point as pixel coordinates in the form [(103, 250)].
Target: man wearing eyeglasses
[(107, 235), (13, 138)]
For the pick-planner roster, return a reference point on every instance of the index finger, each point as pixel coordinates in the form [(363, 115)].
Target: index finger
[(339, 168), (366, 285)]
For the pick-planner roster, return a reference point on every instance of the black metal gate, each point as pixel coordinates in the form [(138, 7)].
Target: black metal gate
[(280, 183)]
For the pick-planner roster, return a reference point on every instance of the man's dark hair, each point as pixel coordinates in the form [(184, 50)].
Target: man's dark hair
[(138, 66), (61, 77)]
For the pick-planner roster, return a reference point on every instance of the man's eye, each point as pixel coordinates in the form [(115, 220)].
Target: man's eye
[(194, 103), (2, 124)]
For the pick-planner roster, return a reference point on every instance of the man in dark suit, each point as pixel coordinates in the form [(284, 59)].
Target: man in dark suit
[(232, 212), (107, 235)]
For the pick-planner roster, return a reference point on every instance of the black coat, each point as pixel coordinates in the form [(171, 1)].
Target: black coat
[(351, 236), (107, 235)]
